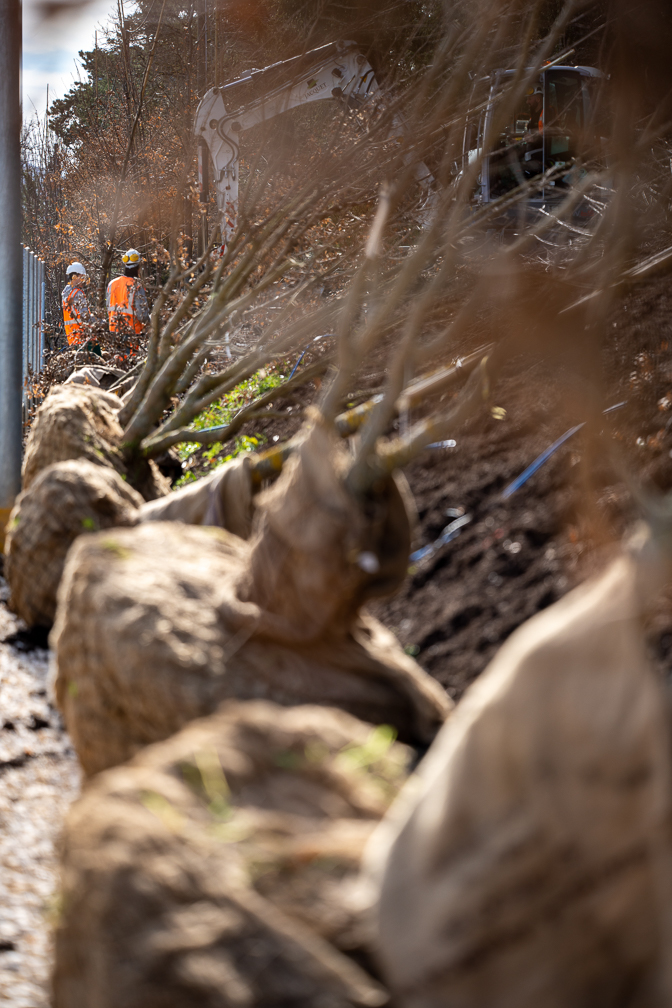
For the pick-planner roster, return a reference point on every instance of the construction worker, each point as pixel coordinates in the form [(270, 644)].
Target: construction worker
[(76, 312), (535, 103), (127, 306), (533, 163)]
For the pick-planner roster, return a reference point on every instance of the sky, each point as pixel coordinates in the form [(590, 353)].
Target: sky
[(50, 49)]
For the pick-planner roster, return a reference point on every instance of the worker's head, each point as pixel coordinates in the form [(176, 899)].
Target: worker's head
[(76, 274), (131, 261)]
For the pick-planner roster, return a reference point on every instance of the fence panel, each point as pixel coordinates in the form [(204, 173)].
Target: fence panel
[(33, 316)]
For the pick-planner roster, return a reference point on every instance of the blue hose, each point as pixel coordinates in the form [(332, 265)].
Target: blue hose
[(305, 351), (545, 455), (539, 461)]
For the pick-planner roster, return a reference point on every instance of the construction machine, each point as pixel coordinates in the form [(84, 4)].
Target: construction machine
[(528, 146)]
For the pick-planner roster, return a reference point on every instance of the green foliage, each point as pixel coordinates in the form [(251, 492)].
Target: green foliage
[(377, 764), (376, 747), (112, 546), (221, 413), (164, 810), (224, 410)]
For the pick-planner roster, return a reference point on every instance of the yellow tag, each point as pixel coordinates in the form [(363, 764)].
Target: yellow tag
[(4, 518), (498, 412)]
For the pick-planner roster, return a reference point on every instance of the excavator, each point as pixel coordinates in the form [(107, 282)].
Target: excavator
[(563, 124)]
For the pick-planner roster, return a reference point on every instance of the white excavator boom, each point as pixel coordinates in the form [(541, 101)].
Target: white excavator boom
[(336, 71)]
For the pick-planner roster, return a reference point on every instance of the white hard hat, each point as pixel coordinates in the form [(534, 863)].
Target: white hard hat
[(131, 257), (75, 267)]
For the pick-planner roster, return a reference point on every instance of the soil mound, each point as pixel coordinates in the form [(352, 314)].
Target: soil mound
[(80, 422), (158, 624), (530, 863), (62, 502), (518, 556), (224, 863)]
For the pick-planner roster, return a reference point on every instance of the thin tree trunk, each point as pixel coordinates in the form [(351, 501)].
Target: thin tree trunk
[(108, 249)]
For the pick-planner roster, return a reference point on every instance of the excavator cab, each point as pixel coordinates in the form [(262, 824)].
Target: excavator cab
[(552, 127)]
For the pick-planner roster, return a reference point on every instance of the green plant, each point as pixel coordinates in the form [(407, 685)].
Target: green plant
[(221, 413)]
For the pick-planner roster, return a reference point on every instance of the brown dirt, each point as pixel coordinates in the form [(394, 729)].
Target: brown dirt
[(39, 777), (517, 556)]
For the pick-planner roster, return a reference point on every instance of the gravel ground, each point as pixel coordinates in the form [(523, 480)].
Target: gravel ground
[(39, 777)]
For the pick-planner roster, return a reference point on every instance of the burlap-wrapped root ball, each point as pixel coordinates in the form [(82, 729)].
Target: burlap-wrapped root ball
[(81, 422), (63, 501), (220, 867), (158, 624), (529, 864)]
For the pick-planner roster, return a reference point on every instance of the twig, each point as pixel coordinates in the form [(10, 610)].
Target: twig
[(269, 463), (399, 452)]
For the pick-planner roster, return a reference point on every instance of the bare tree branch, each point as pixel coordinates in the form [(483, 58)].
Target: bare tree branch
[(160, 443)]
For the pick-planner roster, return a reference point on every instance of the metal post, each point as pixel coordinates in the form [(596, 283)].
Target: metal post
[(31, 306), (33, 325), (32, 311), (24, 315), (10, 257)]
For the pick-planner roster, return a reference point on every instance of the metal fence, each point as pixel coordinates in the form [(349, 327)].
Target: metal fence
[(33, 314)]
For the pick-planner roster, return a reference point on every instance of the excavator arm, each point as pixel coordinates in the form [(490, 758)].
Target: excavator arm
[(337, 71)]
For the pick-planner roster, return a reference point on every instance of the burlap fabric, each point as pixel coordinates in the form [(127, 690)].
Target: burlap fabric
[(528, 863), (63, 501), (224, 498), (158, 624), (99, 377), (70, 498), (219, 867), (80, 422)]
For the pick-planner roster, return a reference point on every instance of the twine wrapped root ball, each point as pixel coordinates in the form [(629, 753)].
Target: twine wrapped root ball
[(81, 422), (62, 502), (220, 867), (158, 624), (530, 863)]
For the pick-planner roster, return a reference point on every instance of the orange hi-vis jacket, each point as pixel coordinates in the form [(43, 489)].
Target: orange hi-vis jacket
[(76, 314), (126, 304)]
